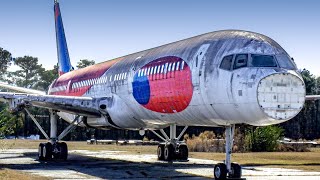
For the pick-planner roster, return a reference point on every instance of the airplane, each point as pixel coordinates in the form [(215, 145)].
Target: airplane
[(218, 79)]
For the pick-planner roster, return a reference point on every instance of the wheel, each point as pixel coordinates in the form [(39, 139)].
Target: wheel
[(235, 171), (220, 171), (184, 152), (47, 151), (160, 152), (40, 152), (168, 152), (63, 151)]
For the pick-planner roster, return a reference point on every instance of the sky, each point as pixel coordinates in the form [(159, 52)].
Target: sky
[(101, 30)]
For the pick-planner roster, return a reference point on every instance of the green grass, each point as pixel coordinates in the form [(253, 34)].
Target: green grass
[(309, 161)]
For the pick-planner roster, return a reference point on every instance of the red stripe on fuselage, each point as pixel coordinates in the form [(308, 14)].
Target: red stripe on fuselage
[(91, 72)]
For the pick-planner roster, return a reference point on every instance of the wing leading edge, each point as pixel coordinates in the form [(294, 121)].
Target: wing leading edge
[(84, 106)]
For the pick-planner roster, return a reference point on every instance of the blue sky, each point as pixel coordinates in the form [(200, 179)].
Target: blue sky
[(106, 29)]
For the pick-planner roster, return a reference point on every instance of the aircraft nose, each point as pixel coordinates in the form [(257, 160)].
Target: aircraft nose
[(281, 96)]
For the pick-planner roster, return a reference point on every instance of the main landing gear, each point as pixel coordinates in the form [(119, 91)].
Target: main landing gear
[(172, 148), (228, 169), (54, 149)]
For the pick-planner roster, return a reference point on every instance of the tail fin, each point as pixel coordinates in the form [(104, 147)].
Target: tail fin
[(62, 47)]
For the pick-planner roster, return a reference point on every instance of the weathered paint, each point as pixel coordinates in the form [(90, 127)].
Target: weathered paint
[(62, 48), (218, 96), (168, 91)]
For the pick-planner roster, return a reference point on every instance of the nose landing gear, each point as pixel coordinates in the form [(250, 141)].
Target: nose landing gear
[(228, 169)]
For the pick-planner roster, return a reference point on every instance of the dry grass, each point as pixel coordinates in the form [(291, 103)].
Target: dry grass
[(8, 174), (296, 160)]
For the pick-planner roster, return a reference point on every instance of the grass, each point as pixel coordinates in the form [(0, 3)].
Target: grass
[(8, 174), (309, 161)]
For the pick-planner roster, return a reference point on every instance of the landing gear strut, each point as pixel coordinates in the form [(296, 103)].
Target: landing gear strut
[(228, 169), (172, 148), (54, 149)]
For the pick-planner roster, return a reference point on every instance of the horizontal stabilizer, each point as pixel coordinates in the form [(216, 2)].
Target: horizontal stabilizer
[(312, 97)]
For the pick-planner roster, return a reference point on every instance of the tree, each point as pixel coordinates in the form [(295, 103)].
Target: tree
[(46, 78), (9, 122), (5, 61), (84, 63), (28, 76)]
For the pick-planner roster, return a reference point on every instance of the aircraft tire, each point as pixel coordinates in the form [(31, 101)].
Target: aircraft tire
[(40, 152), (47, 151), (168, 152), (236, 171), (184, 152), (160, 152), (220, 171), (63, 151)]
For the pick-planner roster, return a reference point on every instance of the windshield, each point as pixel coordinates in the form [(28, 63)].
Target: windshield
[(285, 62), (263, 61)]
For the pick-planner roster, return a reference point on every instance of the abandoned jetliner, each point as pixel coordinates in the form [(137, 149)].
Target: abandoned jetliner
[(218, 79)]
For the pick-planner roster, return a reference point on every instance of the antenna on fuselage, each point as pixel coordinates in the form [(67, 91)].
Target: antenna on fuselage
[(62, 47)]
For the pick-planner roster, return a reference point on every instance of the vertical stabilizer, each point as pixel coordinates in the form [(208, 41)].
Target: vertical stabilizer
[(62, 47)]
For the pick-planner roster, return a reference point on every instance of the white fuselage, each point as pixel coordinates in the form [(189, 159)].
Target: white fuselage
[(187, 83)]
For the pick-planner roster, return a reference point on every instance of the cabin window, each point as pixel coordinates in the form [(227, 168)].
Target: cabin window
[(151, 71), (158, 69), (182, 65), (162, 69), (125, 75), (226, 62), (240, 61), (177, 67), (169, 69), (173, 66), (166, 68), (262, 61), (154, 70)]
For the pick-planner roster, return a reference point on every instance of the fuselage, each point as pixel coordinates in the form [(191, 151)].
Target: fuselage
[(215, 79)]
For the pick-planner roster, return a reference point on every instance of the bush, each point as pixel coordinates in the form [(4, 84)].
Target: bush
[(261, 139), (205, 142), (246, 139)]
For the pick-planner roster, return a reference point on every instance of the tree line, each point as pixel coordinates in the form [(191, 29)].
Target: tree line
[(31, 74)]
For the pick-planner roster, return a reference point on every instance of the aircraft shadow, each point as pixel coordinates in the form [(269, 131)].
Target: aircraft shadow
[(109, 168)]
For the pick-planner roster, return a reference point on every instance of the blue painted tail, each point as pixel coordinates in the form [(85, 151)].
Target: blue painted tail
[(62, 47)]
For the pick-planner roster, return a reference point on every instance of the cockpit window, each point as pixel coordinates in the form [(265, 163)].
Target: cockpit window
[(226, 62), (285, 62), (240, 61), (262, 61)]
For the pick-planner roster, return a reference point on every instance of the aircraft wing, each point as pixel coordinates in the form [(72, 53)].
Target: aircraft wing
[(312, 97), (85, 106), (20, 89)]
